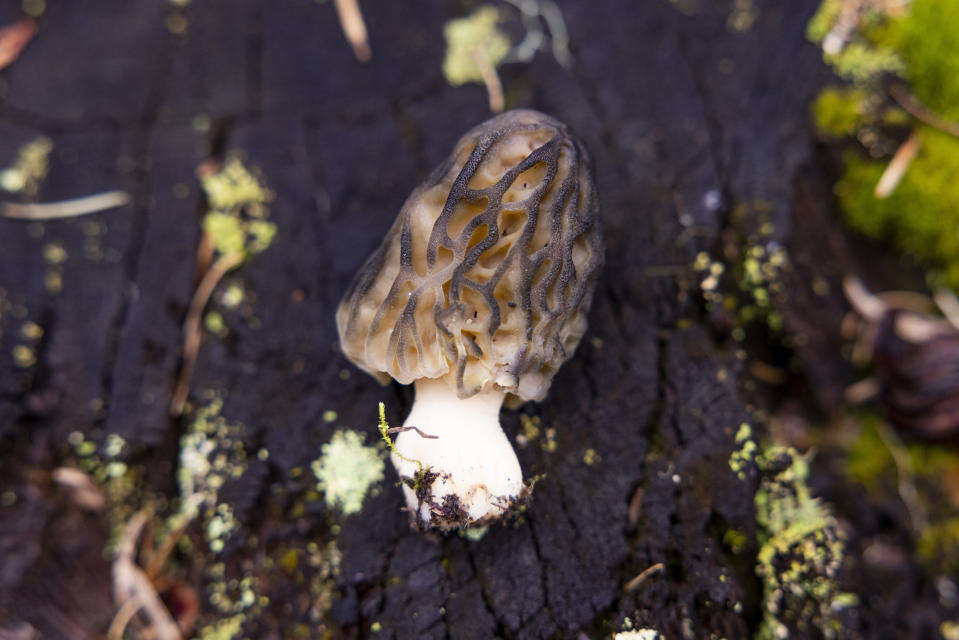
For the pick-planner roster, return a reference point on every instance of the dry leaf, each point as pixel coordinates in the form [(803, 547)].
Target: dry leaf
[(14, 38)]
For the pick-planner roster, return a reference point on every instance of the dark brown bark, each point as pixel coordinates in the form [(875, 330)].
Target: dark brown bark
[(687, 119)]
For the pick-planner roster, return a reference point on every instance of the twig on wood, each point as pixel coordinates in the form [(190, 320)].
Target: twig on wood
[(635, 506), (393, 430), (81, 487), (862, 300), (896, 168), (861, 392), (192, 325), (767, 373), (131, 585), (122, 619), (66, 208), (204, 255), (14, 38), (159, 557), (949, 305), (490, 78), (354, 28), (921, 112), (634, 584)]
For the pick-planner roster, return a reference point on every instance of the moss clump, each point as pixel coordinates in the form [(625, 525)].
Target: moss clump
[(868, 460), (919, 44), (930, 47), (921, 216), (839, 111), (800, 552)]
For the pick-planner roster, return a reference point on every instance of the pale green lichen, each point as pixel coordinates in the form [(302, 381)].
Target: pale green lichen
[(213, 322), (29, 168), (473, 534), (742, 17), (347, 470), (54, 253), (469, 37), (638, 634), (742, 458), (233, 296), (211, 452), (801, 550), (224, 629), (530, 429), (239, 210), (24, 356), (949, 630), (31, 331), (756, 277)]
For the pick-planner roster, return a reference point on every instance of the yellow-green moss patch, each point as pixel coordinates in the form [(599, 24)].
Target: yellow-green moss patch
[(800, 551)]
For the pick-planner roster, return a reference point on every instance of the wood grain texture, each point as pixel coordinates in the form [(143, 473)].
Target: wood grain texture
[(685, 119)]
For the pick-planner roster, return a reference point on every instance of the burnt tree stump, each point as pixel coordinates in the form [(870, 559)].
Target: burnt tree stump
[(688, 115)]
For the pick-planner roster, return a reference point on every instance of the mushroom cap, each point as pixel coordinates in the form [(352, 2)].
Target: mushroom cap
[(487, 274)]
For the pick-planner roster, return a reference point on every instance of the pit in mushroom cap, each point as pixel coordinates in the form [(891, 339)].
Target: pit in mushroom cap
[(480, 289)]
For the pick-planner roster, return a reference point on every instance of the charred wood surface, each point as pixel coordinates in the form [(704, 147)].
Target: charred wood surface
[(689, 119)]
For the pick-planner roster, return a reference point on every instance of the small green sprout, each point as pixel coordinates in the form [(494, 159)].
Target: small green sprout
[(385, 430)]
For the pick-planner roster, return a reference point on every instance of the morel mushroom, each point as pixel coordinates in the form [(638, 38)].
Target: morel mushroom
[(480, 289)]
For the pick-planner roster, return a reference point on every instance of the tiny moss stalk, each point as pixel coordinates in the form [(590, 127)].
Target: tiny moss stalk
[(466, 472)]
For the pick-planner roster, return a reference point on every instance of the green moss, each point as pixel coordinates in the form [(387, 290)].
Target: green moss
[(838, 111), (918, 43), (822, 21), (800, 551), (921, 215), (868, 460), (734, 540), (862, 62), (931, 49)]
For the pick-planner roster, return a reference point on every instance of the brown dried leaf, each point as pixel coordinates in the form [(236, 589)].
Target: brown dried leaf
[(14, 38)]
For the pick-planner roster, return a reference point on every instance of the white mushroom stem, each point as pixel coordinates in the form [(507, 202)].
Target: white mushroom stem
[(469, 452)]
